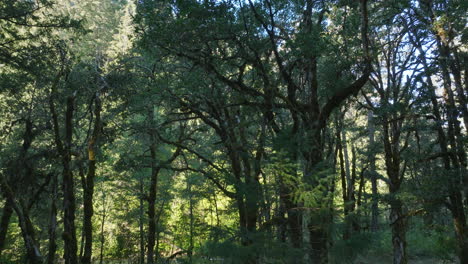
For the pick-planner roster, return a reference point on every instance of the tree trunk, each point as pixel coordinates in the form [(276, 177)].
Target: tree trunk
[(373, 176), (103, 221), (289, 206), (153, 189), (456, 71), (88, 210), (5, 222), (392, 164), (318, 240), (142, 233), (69, 234), (280, 214), (248, 211), (319, 217), (25, 172), (152, 216), (294, 219), (27, 230), (459, 221), (457, 209), (353, 224), (361, 191), (459, 159), (398, 225), (344, 145), (83, 186), (53, 222), (64, 149), (190, 250), (344, 182), (215, 201), (292, 225), (33, 254)]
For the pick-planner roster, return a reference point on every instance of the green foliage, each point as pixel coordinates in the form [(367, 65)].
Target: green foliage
[(425, 242), (220, 102), (265, 249)]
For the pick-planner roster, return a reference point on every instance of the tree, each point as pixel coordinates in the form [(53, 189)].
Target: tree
[(228, 53), (233, 130)]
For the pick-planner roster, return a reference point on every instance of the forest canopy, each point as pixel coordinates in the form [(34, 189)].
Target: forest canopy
[(233, 131)]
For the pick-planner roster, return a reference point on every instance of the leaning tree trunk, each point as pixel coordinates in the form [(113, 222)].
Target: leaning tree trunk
[(24, 171), (33, 253), (27, 230)]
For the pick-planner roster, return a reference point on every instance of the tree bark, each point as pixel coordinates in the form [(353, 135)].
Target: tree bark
[(141, 215), (294, 220), (459, 221), (392, 164), (68, 185), (7, 212), (373, 174), (152, 208), (33, 253), (25, 172), (319, 217), (153, 189), (53, 222), (344, 182), (64, 149), (398, 226), (455, 197), (103, 221), (191, 244), (88, 191)]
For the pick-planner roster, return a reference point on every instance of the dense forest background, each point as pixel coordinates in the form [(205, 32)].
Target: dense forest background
[(233, 131)]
